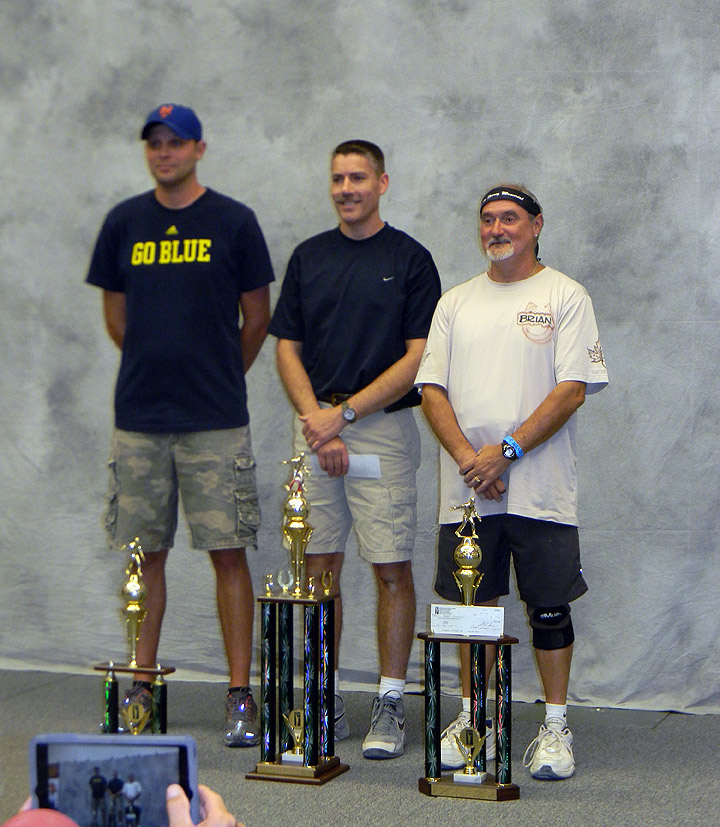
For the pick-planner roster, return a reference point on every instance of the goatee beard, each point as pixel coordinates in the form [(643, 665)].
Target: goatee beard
[(499, 255)]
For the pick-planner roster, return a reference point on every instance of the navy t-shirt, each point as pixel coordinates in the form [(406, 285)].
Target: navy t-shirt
[(182, 272), (353, 304)]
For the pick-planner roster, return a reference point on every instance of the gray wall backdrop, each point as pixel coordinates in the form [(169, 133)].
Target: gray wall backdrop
[(606, 110)]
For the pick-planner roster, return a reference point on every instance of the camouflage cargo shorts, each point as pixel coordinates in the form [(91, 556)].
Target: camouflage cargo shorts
[(212, 471)]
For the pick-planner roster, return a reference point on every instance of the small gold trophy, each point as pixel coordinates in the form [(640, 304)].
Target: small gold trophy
[(296, 724), (467, 554), (135, 717), (296, 528), (326, 581), (469, 742)]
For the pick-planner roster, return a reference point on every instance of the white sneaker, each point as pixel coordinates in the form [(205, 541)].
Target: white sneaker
[(450, 756), (550, 755)]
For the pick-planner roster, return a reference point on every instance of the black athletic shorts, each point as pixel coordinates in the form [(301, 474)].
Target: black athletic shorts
[(546, 558)]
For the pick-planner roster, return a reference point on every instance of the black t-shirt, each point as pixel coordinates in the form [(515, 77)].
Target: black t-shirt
[(353, 304), (115, 785), (98, 785), (182, 272)]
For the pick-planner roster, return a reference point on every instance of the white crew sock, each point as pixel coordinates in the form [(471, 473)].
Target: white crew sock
[(390, 685), (556, 713)]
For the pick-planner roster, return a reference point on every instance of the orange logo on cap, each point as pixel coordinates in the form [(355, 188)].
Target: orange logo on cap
[(165, 110)]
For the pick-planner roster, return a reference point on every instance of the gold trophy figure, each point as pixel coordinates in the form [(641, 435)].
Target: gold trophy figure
[(326, 581), (296, 528), (469, 742), (296, 724), (134, 593), (467, 555)]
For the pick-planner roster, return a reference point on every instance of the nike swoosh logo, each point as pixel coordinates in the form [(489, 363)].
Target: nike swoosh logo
[(388, 278)]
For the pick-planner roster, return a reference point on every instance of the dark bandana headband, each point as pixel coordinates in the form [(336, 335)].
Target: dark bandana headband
[(527, 202)]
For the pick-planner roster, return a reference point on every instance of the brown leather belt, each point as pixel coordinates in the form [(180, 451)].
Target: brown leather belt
[(334, 398)]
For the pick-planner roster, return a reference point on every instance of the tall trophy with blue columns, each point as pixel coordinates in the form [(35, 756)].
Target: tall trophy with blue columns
[(297, 743)]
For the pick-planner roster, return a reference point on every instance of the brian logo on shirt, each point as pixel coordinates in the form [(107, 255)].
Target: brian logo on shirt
[(537, 325)]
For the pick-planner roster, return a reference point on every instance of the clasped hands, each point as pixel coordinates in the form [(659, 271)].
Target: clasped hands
[(482, 472), (321, 430)]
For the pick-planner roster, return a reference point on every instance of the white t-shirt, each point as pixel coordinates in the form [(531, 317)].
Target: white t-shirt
[(498, 350), (131, 790)]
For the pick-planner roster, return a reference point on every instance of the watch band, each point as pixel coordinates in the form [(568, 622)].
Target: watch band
[(511, 442)]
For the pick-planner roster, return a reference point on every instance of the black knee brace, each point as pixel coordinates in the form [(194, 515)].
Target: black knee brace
[(552, 628)]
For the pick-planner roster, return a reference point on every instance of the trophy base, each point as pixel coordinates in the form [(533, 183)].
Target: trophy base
[(126, 669), (136, 719), (291, 773), (294, 758), (461, 777), (487, 790)]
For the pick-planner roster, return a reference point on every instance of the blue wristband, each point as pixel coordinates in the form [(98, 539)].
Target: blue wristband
[(511, 442)]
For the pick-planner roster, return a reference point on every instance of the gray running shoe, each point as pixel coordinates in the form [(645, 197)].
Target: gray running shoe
[(386, 738), (241, 723), (342, 728)]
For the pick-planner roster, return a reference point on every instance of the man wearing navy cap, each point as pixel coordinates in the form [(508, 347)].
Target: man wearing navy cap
[(509, 358), (176, 265)]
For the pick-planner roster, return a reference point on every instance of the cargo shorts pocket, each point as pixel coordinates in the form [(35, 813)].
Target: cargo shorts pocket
[(247, 506), (403, 501)]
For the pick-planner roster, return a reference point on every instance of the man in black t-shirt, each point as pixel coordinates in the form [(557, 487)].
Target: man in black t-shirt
[(351, 324), (176, 266), (115, 788), (98, 785)]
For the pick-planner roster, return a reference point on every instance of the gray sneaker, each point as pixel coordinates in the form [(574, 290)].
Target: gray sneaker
[(241, 723), (342, 728), (386, 738)]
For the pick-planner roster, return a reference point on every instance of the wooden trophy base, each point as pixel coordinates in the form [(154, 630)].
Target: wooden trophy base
[(488, 790), (126, 669), (298, 774), (136, 718)]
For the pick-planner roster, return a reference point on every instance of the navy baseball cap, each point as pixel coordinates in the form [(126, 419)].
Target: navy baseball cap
[(181, 119)]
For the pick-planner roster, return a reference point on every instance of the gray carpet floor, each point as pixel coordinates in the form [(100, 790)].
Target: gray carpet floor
[(633, 768)]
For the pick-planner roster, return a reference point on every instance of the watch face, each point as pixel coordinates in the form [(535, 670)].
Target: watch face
[(508, 451), (348, 414)]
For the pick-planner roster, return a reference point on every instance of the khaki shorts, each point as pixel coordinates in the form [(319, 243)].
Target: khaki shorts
[(383, 511), (213, 472)]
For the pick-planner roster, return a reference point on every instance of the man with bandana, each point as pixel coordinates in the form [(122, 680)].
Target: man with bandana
[(510, 357)]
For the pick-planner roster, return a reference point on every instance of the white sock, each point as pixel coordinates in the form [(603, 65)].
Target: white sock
[(391, 685), (337, 681), (466, 704), (556, 712)]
